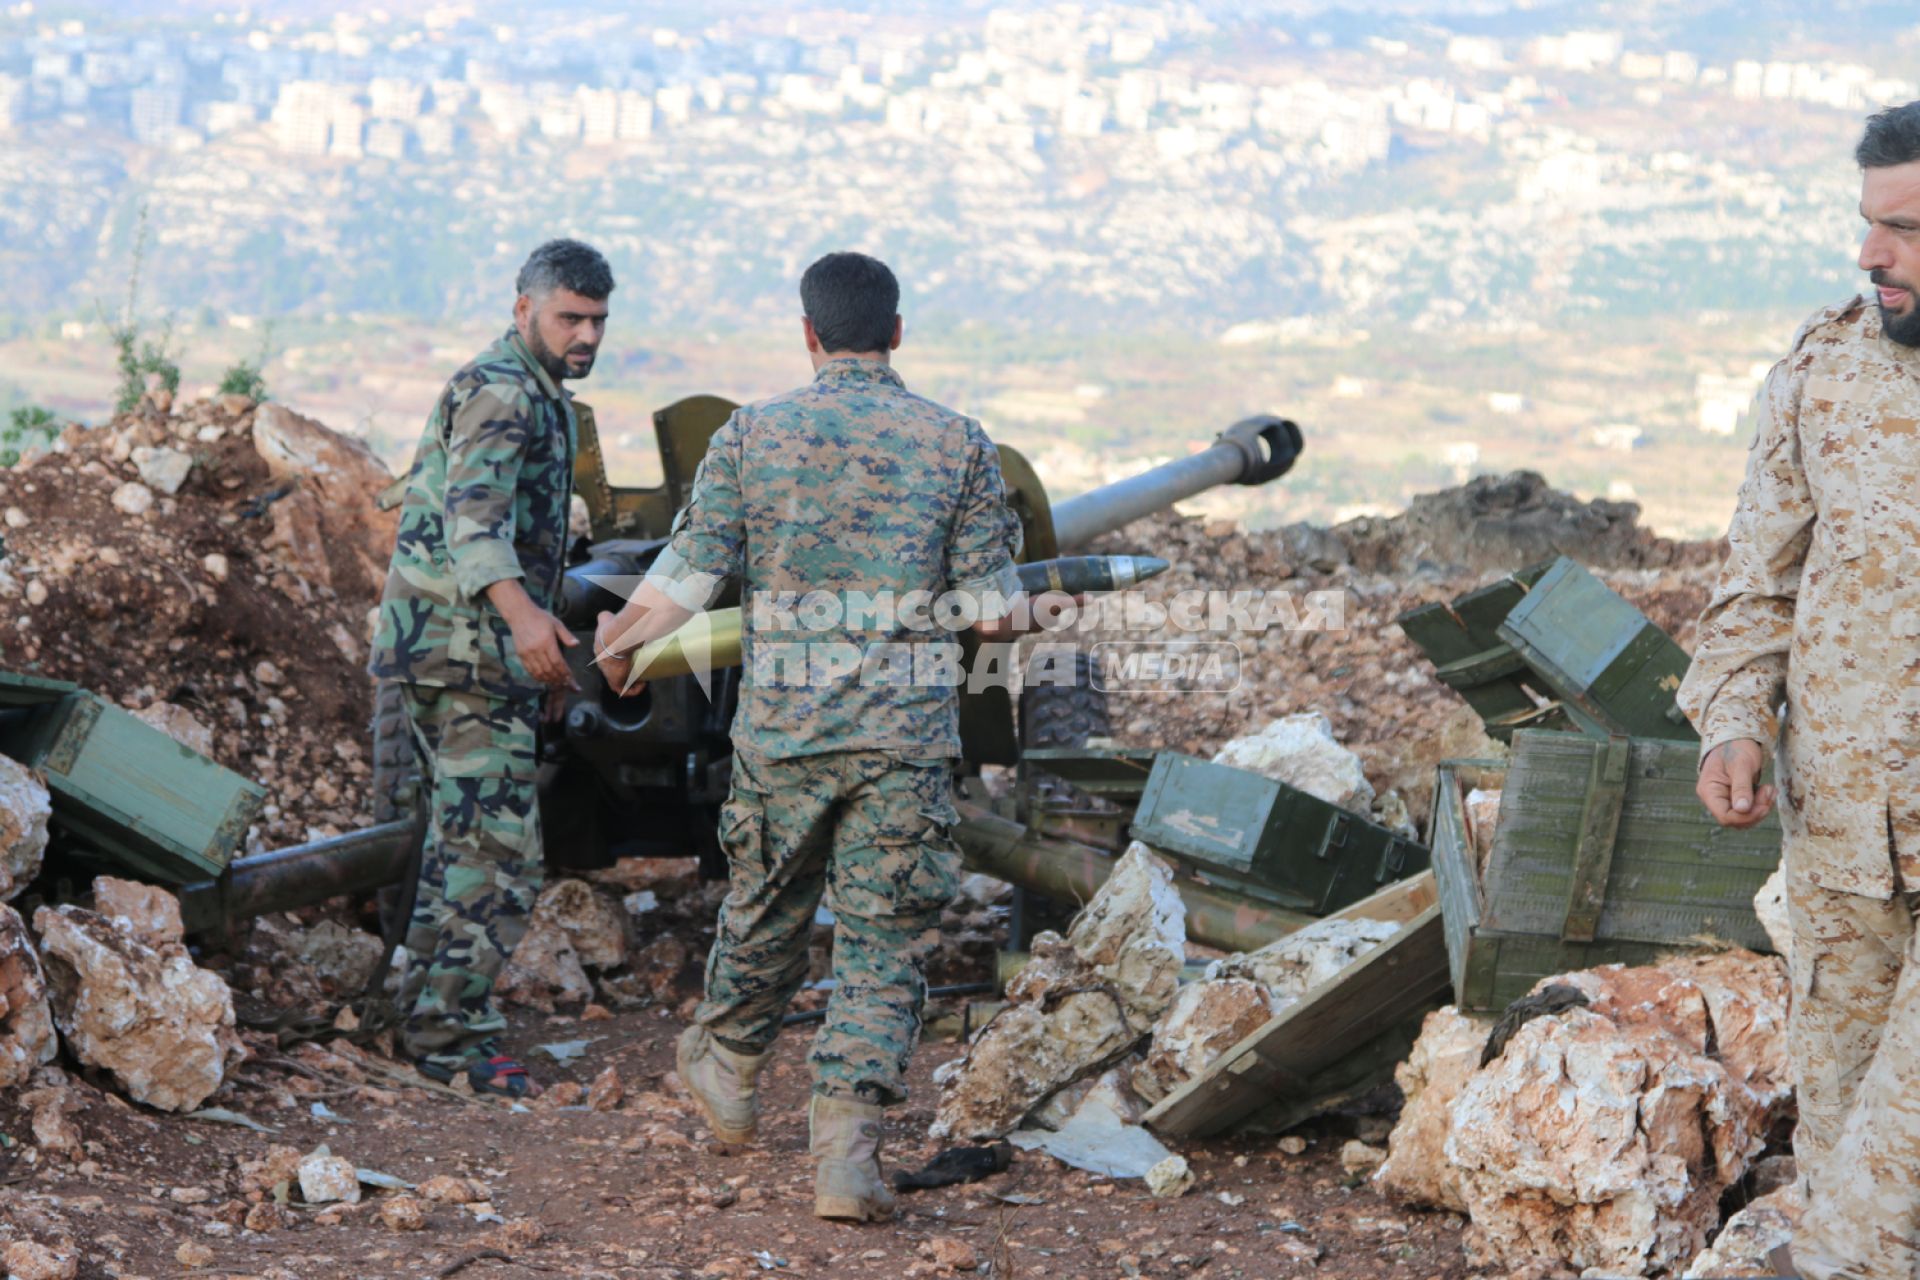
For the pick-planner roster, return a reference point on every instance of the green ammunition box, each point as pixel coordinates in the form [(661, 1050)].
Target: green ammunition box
[(123, 792), (1611, 670), (1115, 774), (1266, 839), (1601, 854), (1463, 641)]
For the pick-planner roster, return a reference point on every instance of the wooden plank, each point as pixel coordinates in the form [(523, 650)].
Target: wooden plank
[(1463, 642), (1593, 852), (1278, 1063), (1351, 1078), (1399, 903), (1677, 879), (17, 690)]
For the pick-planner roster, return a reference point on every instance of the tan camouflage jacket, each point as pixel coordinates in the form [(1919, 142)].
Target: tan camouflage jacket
[(1819, 603)]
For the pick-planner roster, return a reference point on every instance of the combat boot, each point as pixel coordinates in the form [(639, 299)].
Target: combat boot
[(721, 1083), (846, 1153)]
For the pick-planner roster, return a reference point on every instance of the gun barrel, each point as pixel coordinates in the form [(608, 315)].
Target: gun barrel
[(356, 862), (1251, 452), (1072, 872)]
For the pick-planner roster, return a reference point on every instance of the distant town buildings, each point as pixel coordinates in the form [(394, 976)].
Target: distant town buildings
[(1721, 400)]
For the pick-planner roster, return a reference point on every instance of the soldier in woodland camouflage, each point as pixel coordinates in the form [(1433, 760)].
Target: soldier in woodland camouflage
[(1819, 606), (854, 488), (466, 628)]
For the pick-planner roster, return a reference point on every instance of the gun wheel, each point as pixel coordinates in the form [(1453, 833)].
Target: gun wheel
[(1056, 715), (1059, 715)]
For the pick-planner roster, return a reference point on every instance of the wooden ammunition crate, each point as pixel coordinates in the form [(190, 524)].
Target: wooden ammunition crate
[(1553, 647), (1462, 641), (1602, 853), (123, 792), (1610, 669), (1267, 839), (1339, 1042)]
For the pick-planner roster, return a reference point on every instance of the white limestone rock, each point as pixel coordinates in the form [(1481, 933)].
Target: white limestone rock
[(1770, 904), (1603, 1137), (27, 1038), (593, 923), (1205, 1020), (25, 807), (147, 911), (1306, 958), (1301, 751), (544, 970), (1120, 962), (160, 1025), (163, 469), (1444, 1058), (1743, 1244), (328, 1179)]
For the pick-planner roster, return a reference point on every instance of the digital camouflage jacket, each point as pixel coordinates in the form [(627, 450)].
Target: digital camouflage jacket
[(854, 488), (487, 498)]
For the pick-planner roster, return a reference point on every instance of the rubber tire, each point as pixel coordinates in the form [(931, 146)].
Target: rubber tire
[(396, 769), (1055, 715)]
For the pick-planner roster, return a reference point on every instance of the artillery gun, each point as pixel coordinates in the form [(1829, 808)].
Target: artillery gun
[(645, 775)]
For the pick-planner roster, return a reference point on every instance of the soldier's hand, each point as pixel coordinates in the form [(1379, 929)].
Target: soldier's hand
[(1729, 784), (541, 640), (617, 668)]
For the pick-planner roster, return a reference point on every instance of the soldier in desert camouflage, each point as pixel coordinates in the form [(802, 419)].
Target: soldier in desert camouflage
[(467, 630), (1819, 606), (845, 730)]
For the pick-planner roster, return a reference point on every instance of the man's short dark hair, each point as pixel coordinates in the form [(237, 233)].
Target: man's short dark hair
[(1892, 137), (565, 264), (852, 300)]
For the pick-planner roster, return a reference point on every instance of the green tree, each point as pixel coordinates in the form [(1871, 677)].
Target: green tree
[(246, 377), (29, 427), (137, 358)]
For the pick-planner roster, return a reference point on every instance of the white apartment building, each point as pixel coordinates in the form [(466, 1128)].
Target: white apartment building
[(154, 112), (303, 116), (387, 139), (390, 98)]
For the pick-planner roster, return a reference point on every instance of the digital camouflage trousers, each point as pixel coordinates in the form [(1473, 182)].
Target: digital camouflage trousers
[(870, 830), (480, 871), (1854, 1036)]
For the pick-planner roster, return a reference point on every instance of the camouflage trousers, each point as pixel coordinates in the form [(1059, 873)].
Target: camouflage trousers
[(480, 870), (1854, 1036), (868, 829)]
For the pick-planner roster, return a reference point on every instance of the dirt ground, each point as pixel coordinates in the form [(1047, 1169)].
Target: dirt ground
[(640, 1191), (208, 601)]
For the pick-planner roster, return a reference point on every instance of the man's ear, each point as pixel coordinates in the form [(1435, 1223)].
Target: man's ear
[(899, 331), (522, 313), (813, 338)]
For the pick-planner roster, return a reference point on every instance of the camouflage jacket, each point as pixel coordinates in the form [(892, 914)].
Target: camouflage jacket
[(487, 498), (1818, 604), (853, 487)]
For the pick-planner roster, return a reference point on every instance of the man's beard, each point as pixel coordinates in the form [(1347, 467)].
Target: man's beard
[(1903, 329), (556, 366)]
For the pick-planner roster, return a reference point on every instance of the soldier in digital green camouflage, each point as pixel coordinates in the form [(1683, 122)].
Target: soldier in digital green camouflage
[(851, 488), (466, 629)]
